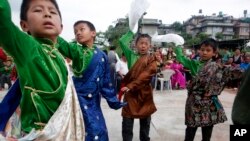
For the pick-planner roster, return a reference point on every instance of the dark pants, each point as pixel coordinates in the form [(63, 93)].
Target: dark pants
[(127, 129), (206, 133)]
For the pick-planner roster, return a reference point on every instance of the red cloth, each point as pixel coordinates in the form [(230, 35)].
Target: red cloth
[(3, 56), (13, 74), (120, 94)]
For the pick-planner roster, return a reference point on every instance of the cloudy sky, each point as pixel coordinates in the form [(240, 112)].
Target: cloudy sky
[(103, 13)]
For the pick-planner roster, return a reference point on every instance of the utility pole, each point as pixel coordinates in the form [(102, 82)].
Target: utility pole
[(140, 23)]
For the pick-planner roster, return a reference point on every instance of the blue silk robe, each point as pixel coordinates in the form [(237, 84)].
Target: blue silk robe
[(93, 84)]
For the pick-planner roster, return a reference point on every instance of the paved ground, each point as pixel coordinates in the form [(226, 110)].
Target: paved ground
[(168, 122)]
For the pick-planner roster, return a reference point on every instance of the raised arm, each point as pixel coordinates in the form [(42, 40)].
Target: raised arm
[(108, 91), (15, 42), (192, 65), (125, 41)]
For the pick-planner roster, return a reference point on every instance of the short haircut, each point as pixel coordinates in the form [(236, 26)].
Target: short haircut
[(210, 42), (89, 24), (143, 36), (25, 6)]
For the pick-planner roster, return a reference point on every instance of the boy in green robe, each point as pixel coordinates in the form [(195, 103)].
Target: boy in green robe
[(41, 68)]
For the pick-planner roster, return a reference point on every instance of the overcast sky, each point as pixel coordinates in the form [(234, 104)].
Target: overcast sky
[(103, 13)]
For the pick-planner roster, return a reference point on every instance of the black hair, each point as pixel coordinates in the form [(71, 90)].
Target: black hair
[(143, 36), (25, 7), (210, 42), (112, 48), (237, 48), (89, 24)]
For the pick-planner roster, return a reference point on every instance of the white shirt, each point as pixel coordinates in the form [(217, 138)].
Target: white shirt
[(122, 67)]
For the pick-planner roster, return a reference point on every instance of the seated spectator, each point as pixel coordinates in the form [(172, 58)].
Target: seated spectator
[(229, 62), (237, 58), (168, 64), (170, 54), (246, 61), (197, 55), (178, 79), (5, 73), (192, 55), (225, 55)]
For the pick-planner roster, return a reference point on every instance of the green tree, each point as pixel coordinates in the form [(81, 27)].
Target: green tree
[(186, 36), (191, 41), (177, 26), (219, 36), (202, 36), (114, 33)]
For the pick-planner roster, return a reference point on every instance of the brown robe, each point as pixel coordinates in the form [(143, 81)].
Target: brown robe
[(140, 96)]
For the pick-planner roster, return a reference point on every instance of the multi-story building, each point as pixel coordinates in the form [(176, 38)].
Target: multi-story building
[(213, 25), (150, 26), (191, 26), (165, 29), (242, 28), (227, 26)]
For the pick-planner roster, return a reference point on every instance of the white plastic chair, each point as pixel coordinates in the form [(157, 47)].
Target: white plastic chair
[(166, 78)]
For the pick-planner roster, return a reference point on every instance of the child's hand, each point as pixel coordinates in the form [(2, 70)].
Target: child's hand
[(117, 105), (124, 89)]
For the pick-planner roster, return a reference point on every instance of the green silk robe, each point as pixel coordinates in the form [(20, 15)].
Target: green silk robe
[(193, 65), (41, 70), (131, 56)]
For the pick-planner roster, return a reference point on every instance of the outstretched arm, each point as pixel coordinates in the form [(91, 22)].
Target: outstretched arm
[(125, 42), (108, 91)]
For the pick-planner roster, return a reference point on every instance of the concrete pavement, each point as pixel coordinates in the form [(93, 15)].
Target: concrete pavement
[(168, 121)]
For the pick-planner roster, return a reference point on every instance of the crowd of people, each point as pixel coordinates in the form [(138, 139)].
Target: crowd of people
[(47, 103), (8, 72), (235, 58)]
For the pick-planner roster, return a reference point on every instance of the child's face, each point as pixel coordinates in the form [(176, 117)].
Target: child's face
[(83, 34), (206, 52), (43, 20), (143, 45)]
